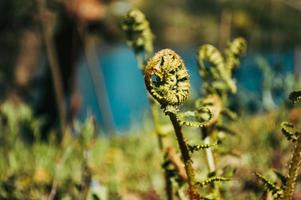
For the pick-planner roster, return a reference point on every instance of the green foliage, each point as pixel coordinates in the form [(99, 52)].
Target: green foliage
[(121, 163), (288, 182), (167, 79), (138, 33), (289, 131), (212, 180), (82, 166), (216, 70), (87, 166), (276, 191), (193, 148), (235, 49), (184, 118)]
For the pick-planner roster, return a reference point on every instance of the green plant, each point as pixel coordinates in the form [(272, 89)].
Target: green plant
[(139, 35), (288, 183), (216, 72), (167, 80), (140, 38)]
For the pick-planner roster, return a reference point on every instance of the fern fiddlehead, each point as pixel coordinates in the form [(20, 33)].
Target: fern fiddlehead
[(167, 80), (138, 34), (235, 49), (211, 67), (216, 71), (140, 38)]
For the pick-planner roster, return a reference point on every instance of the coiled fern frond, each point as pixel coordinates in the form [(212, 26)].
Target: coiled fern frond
[(212, 103), (235, 49), (215, 61), (138, 32), (185, 118), (215, 70), (211, 67), (167, 79)]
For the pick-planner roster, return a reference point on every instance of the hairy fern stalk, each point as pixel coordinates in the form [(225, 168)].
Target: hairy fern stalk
[(216, 71), (295, 163), (167, 80), (286, 190)]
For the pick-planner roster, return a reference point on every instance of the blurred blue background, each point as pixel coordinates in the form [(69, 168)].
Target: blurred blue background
[(125, 85)]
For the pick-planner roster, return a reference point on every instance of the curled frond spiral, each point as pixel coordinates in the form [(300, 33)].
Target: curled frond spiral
[(138, 32), (167, 79), (184, 118), (214, 104), (212, 55), (235, 49), (212, 69), (215, 70)]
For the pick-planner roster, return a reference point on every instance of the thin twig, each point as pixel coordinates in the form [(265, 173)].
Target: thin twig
[(53, 63)]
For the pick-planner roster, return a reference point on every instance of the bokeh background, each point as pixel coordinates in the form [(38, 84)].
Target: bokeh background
[(98, 72)]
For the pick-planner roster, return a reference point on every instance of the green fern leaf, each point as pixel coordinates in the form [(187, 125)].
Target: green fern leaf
[(193, 148), (212, 180), (191, 118), (289, 131), (272, 187)]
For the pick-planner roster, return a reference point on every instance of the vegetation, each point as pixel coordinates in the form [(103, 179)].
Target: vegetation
[(286, 190), (189, 147)]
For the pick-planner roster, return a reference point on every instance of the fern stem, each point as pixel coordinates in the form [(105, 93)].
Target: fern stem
[(193, 192), (293, 171), (207, 132)]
